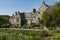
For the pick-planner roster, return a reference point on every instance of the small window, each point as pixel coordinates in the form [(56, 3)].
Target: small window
[(38, 18), (13, 15), (38, 12), (17, 19)]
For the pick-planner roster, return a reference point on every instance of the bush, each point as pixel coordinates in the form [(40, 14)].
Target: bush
[(27, 26), (44, 34)]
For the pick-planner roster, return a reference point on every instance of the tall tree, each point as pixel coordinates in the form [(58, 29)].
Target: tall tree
[(51, 18)]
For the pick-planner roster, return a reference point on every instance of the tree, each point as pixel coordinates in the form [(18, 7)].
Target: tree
[(4, 20), (51, 19)]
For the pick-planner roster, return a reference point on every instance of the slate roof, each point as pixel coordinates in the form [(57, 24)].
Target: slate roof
[(28, 15)]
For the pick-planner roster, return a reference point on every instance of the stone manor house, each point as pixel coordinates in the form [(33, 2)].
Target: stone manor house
[(21, 18)]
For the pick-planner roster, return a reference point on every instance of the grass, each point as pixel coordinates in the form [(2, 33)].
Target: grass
[(6, 34)]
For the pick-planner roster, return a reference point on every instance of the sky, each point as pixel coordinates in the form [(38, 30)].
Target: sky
[(8, 7)]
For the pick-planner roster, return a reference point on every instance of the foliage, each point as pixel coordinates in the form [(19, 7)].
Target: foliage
[(52, 18), (4, 20), (28, 35), (27, 26), (19, 35)]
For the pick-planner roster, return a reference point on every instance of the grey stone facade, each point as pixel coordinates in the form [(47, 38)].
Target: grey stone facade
[(19, 18)]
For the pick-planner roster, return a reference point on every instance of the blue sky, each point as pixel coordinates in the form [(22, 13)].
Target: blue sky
[(8, 7)]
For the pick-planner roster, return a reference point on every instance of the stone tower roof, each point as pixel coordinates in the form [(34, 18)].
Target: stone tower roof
[(43, 4)]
